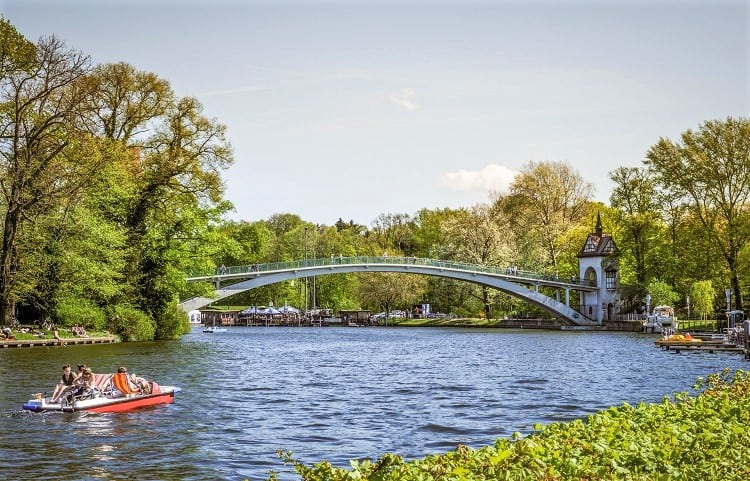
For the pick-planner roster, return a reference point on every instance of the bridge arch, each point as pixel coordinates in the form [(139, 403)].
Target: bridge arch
[(524, 285)]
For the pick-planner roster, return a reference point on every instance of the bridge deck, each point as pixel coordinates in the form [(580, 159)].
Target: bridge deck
[(508, 273)]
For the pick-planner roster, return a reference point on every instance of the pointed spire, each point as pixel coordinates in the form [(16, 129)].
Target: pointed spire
[(598, 228)]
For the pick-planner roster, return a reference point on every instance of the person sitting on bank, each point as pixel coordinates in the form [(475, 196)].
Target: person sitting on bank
[(65, 384), (7, 333)]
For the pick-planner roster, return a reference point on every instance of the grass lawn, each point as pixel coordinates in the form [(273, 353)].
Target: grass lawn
[(458, 322), (63, 332)]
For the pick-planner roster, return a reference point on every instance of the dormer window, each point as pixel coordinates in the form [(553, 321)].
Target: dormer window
[(590, 245), (609, 247)]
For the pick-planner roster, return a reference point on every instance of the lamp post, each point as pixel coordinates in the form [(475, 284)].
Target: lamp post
[(648, 304), (687, 298), (305, 289), (728, 293), (315, 254)]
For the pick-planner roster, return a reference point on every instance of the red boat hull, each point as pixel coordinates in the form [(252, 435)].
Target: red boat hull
[(106, 403), (128, 404)]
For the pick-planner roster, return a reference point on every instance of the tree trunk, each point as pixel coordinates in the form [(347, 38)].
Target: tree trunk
[(8, 264)]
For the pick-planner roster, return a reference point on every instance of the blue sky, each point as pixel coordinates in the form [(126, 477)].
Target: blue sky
[(354, 109)]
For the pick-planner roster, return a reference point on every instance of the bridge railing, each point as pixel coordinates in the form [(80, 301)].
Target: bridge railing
[(509, 272)]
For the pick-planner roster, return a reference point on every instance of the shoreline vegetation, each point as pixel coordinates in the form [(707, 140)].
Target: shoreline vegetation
[(682, 438)]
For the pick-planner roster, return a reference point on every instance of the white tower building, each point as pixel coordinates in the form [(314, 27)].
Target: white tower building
[(598, 263)]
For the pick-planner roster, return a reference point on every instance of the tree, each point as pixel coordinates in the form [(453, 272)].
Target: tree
[(16, 53), (44, 157), (702, 298), (546, 199), (388, 290), (176, 155), (480, 236), (636, 200), (661, 293), (710, 170), (394, 232)]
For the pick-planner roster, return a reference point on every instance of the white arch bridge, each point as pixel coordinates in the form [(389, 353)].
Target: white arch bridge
[(521, 284)]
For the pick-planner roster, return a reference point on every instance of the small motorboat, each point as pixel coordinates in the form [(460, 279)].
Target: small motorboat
[(104, 397), (212, 329)]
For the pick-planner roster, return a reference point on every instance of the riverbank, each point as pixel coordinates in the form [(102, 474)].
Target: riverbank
[(63, 341), (28, 337)]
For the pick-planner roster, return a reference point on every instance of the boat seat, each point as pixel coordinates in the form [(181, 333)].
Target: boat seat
[(123, 384), (102, 382)]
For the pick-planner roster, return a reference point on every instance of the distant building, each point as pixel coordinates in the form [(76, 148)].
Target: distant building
[(355, 316)]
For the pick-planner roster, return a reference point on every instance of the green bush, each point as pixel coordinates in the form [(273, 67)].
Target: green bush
[(685, 438), (131, 324), (71, 311), (172, 323)]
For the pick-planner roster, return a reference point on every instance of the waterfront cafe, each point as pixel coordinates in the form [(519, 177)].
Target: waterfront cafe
[(266, 316), (219, 317)]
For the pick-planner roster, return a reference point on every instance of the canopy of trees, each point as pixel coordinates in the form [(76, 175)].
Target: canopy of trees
[(108, 183)]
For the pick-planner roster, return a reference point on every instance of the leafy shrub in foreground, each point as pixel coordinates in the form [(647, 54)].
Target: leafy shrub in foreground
[(686, 438)]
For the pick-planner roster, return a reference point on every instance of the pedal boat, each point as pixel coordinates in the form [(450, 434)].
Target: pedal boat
[(104, 400)]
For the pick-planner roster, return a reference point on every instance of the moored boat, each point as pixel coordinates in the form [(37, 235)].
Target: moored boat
[(661, 320), (681, 339), (106, 398), (212, 329)]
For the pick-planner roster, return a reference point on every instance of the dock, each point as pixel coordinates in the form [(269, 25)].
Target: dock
[(57, 342), (712, 345)]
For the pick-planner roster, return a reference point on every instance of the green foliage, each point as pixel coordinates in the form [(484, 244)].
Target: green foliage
[(707, 173), (680, 439), (661, 293), (16, 53), (702, 297), (173, 322), (73, 310), (131, 324)]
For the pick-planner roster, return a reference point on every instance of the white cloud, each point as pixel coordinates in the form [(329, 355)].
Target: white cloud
[(492, 177), (405, 99)]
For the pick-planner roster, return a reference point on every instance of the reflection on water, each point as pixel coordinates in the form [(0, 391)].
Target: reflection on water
[(325, 393)]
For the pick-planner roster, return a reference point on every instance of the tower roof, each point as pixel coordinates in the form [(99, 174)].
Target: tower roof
[(599, 244)]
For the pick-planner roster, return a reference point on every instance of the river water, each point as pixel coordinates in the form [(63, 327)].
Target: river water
[(325, 393)]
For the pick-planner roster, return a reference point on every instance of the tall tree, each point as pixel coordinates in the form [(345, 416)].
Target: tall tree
[(394, 233), (702, 295), (710, 169), (176, 158), (44, 157), (545, 200), (636, 198), (389, 290), (480, 236)]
